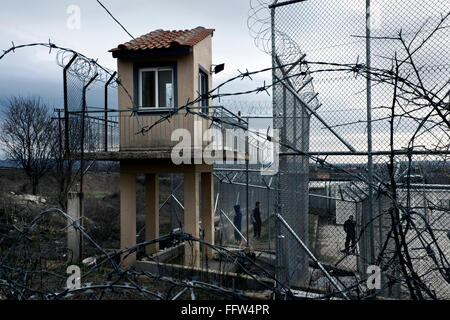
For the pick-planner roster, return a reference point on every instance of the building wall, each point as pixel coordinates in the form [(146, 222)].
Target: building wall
[(159, 138), (203, 58)]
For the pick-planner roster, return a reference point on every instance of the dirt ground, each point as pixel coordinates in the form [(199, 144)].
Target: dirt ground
[(102, 206)]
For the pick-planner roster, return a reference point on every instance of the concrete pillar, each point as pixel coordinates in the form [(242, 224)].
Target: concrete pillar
[(152, 211), (73, 235), (128, 214), (191, 217), (207, 211)]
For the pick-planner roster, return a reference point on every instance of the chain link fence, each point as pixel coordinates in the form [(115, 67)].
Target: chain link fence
[(231, 189), (360, 99), (362, 89), (361, 102)]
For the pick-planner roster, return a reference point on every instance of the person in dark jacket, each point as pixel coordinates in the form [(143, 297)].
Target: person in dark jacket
[(256, 221), (350, 230), (237, 221)]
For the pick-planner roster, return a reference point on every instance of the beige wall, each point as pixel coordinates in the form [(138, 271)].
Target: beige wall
[(128, 214), (185, 74), (187, 86), (203, 57)]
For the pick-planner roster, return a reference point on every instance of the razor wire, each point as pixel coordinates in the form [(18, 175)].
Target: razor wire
[(318, 159), (399, 50), (83, 67), (413, 100), (19, 282)]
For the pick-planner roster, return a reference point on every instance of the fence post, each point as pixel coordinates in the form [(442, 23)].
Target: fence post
[(60, 151), (247, 154), (74, 210), (369, 137), (83, 119), (106, 110), (66, 104), (358, 230), (268, 213)]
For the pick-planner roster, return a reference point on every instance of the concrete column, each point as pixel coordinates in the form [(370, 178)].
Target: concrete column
[(152, 211), (207, 211), (73, 235), (128, 214), (191, 217)]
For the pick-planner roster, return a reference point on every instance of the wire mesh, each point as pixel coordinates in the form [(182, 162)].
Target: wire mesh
[(323, 85), (406, 41), (293, 120), (230, 189)]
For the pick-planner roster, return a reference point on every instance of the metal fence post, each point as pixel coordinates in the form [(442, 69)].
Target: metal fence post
[(268, 213), (83, 120), (66, 104), (106, 111), (247, 155), (369, 135)]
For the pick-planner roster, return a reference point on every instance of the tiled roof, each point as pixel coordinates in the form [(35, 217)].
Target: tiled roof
[(160, 39)]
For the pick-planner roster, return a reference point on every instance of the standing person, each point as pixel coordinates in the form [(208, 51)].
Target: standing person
[(350, 230), (237, 221), (256, 221)]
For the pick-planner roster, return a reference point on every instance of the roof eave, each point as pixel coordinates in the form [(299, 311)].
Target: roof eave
[(131, 54)]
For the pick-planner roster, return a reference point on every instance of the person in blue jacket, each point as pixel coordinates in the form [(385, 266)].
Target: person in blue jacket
[(237, 221)]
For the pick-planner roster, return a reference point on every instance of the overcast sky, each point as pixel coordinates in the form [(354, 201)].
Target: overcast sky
[(323, 29), (33, 71)]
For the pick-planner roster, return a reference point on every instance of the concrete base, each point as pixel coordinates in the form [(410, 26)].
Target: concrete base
[(128, 214), (191, 217), (152, 169), (228, 279), (168, 254), (207, 212)]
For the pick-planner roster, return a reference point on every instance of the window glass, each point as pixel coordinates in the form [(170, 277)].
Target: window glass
[(148, 89), (165, 88), (203, 89)]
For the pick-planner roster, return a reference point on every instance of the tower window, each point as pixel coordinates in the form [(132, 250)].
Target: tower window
[(156, 87)]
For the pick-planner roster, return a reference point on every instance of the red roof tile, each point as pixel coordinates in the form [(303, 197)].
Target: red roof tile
[(160, 39)]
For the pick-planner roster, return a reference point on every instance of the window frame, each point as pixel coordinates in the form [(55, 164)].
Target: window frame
[(156, 69), (202, 72)]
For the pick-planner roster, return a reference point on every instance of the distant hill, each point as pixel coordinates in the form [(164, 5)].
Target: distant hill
[(8, 164)]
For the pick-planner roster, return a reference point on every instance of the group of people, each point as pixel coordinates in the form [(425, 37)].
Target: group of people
[(349, 227), (256, 220)]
